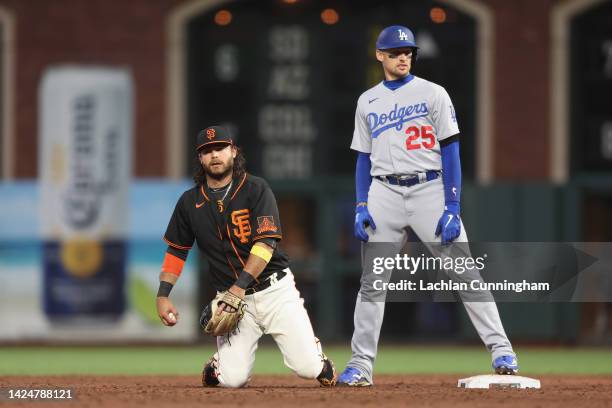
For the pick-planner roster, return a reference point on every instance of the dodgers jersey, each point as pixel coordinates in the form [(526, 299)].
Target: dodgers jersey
[(402, 128)]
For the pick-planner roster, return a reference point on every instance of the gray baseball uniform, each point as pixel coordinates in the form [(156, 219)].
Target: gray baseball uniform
[(401, 130)]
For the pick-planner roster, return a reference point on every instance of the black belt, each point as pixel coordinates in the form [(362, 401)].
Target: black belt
[(410, 181), (265, 284)]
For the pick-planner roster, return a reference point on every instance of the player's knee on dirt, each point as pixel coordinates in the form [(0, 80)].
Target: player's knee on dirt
[(235, 378), (308, 368)]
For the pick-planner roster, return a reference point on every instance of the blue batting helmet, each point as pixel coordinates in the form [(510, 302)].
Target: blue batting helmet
[(395, 36)]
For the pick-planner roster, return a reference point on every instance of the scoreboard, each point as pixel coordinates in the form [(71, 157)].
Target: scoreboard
[(591, 90), (285, 76)]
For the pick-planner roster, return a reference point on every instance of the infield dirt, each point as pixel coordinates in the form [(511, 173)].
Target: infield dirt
[(289, 391)]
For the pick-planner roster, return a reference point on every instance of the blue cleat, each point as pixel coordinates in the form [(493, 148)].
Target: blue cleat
[(506, 365), (351, 377)]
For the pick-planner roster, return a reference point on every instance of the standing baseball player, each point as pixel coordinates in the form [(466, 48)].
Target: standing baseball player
[(408, 175), (234, 219)]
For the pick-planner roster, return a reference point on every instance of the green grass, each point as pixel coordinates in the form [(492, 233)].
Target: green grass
[(188, 360)]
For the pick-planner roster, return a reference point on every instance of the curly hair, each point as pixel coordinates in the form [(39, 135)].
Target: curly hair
[(238, 171)]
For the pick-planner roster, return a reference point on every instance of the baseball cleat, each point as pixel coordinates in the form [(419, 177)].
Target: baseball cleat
[(328, 376), (506, 365), (209, 373), (351, 377)]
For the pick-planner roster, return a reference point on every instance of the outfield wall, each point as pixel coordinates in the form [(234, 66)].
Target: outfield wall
[(324, 255), (21, 304)]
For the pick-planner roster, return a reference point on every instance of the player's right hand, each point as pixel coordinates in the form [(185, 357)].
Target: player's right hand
[(363, 219), (166, 311)]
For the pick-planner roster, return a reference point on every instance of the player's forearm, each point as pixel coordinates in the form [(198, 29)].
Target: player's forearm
[(259, 257), (451, 172), (363, 179), (168, 277), (172, 267), (166, 283)]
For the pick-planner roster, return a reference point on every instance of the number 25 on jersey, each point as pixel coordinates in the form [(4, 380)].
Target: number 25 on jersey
[(420, 137)]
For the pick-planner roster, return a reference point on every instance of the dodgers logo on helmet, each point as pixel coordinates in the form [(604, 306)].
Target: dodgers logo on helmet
[(395, 36)]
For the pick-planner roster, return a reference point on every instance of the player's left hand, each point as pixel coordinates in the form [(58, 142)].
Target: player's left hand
[(449, 225)]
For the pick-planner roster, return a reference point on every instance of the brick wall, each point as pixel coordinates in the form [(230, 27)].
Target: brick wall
[(132, 33), (521, 81), (123, 33)]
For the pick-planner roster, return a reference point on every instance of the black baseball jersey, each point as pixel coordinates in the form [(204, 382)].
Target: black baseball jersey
[(225, 228)]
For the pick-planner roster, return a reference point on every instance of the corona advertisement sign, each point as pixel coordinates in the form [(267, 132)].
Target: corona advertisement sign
[(85, 169)]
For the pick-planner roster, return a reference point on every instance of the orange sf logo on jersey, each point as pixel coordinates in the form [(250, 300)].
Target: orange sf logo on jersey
[(210, 134), (240, 218)]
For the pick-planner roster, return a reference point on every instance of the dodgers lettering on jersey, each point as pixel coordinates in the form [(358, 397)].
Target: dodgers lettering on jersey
[(402, 128)]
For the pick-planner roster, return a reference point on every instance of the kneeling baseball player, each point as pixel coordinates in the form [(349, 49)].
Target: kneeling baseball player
[(234, 219)]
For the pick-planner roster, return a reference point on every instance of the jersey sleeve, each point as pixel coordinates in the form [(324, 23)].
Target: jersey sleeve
[(265, 220), (179, 233), (362, 140), (445, 119)]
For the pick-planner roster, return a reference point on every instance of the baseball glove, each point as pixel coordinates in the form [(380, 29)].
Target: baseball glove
[(227, 321)]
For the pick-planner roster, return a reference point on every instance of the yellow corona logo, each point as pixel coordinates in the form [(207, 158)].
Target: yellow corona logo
[(81, 257)]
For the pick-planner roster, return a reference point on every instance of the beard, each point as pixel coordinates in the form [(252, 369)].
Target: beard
[(219, 172)]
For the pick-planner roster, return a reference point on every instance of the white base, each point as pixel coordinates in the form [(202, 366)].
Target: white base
[(498, 381)]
